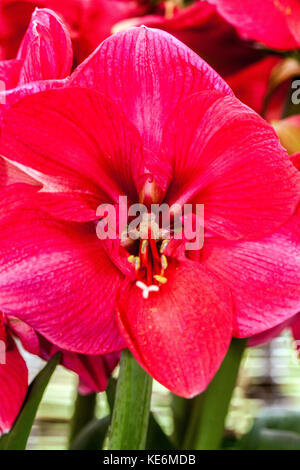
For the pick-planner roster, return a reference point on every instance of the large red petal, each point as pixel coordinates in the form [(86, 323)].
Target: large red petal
[(147, 72), (26, 335), (10, 173), (269, 335), (13, 386), (93, 371), (88, 148), (181, 334), (9, 97), (56, 277), (264, 277), (229, 159), (10, 73)]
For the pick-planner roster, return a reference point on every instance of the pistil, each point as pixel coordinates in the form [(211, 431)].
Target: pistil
[(150, 265)]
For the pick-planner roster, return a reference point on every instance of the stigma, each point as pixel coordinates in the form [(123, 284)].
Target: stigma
[(146, 289)]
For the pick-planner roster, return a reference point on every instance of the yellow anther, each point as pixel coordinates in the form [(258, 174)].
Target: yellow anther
[(164, 262), (137, 262), (160, 279), (144, 246), (131, 259), (164, 245)]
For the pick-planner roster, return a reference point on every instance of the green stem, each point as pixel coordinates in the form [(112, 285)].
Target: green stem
[(182, 410), (84, 412), (209, 410), (130, 417)]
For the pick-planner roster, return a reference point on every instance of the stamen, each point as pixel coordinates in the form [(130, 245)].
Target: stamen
[(164, 262), (137, 262), (150, 263), (164, 245), (160, 279), (146, 289), (144, 247), (144, 253)]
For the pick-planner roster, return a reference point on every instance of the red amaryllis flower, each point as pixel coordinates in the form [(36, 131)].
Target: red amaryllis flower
[(202, 29), (89, 22), (146, 117), (275, 23)]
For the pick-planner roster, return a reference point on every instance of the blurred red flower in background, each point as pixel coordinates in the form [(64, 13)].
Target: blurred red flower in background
[(274, 23), (43, 60), (201, 28), (89, 21), (45, 52)]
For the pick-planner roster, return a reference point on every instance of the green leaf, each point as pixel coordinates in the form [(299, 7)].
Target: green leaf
[(209, 409), (273, 429), (283, 420), (272, 439), (84, 412), (3, 440), (111, 393), (92, 436), (156, 438), (19, 434)]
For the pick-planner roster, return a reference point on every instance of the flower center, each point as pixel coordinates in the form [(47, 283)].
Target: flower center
[(151, 263)]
